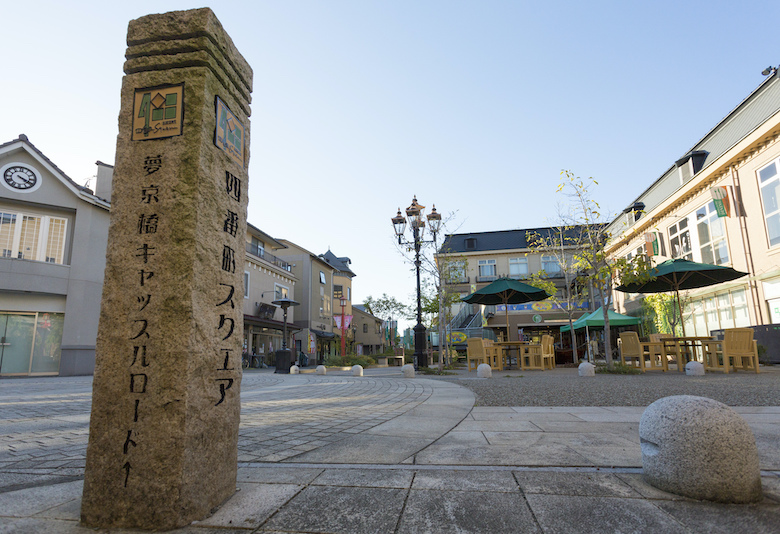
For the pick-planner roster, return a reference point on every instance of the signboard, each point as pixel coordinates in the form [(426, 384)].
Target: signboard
[(158, 112), (545, 306), (229, 134), (457, 337), (720, 197)]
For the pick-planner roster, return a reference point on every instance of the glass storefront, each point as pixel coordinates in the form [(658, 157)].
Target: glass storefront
[(30, 343)]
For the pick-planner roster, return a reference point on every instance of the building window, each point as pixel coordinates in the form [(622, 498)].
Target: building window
[(338, 292), (322, 278), (724, 310), (680, 240), (32, 237), (365, 328), (518, 267), (455, 271), (712, 236), (471, 243), (280, 292), (349, 294), (487, 268), (550, 265), (246, 284), (769, 182)]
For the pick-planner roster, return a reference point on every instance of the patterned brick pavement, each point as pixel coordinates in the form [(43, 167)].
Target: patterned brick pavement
[(44, 422)]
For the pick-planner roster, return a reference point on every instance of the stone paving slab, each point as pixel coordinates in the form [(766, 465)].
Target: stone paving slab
[(399, 467)]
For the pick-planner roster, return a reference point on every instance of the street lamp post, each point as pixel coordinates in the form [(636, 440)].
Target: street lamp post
[(415, 215), (343, 324), (284, 356)]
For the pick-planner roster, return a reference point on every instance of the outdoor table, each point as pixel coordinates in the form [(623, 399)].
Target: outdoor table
[(508, 347), (686, 348)]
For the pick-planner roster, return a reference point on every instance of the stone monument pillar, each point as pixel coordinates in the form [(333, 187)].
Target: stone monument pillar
[(165, 407)]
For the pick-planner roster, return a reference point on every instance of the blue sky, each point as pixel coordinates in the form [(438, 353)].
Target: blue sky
[(475, 106)]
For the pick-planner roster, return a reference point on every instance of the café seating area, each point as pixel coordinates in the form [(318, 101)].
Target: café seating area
[(737, 351), (503, 355)]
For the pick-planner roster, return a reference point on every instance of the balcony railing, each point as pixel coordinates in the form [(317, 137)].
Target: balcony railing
[(254, 250), (457, 280)]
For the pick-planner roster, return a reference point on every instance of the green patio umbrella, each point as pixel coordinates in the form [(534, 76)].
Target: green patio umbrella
[(506, 291), (674, 275)]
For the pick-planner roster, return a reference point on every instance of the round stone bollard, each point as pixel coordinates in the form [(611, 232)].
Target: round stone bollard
[(586, 369), (699, 448), (320, 370), (294, 370), (484, 371), (357, 370), (694, 368), (408, 370)]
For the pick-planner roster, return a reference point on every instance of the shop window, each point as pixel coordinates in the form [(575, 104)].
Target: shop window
[(550, 265), (32, 237), (280, 292), (769, 183), (518, 267), (487, 269), (680, 240), (712, 236)]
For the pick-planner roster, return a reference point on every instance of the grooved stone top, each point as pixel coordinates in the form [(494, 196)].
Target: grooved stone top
[(164, 35)]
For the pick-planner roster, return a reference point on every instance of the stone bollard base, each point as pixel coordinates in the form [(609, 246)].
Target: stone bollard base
[(699, 448), (484, 371), (408, 370), (586, 369)]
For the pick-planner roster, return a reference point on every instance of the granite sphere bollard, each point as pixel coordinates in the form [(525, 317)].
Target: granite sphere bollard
[(484, 371), (694, 368), (357, 370), (408, 370), (699, 448), (294, 370), (320, 370), (586, 369)]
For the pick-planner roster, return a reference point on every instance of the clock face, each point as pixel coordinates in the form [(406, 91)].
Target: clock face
[(19, 177)]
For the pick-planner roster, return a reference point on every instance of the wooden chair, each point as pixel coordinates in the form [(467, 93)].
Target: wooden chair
[(475, 353), (737, 350), (494, 354), (643, 356), (671, 350), (531, 357), (548, 352)]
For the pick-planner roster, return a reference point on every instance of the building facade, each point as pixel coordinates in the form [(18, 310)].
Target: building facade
[(368, 330), (718, 204), (53, 236), (267, 277), (314, 316), (471, 261), (342, 299)]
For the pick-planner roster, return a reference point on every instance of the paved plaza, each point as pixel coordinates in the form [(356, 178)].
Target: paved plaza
[(381, 453)]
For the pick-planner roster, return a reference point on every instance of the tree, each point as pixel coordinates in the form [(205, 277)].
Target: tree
[(662, 310), (591, 259), (386, 306), (560, 243)]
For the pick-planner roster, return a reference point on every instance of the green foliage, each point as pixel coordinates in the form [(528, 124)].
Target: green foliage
[(385, 306), (660, 314), (617, 368), (333, 360), (433, 371)]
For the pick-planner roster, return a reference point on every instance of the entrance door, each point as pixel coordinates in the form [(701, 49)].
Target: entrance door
[(16, 341)]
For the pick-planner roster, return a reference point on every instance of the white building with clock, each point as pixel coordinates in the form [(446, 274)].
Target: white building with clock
[(53, 235)]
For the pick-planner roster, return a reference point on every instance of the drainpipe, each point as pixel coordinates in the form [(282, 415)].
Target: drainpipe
[(755, 297)]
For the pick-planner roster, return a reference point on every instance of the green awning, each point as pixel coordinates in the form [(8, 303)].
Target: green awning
[(596, 320)]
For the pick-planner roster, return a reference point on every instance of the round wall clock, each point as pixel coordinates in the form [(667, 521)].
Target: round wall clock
[(20, 177)]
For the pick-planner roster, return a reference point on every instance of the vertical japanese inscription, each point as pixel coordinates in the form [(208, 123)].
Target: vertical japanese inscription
[(226, 324), (140, 366)]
